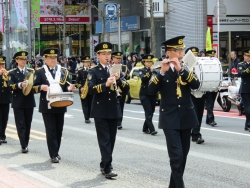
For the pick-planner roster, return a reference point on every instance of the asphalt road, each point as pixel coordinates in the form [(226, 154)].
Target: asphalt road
[(140, 160)]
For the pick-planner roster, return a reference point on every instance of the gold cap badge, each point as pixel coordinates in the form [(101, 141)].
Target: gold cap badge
[(87, 57), (180, 41), (23, 54), (105, 46), (193, 50), (52, 51)]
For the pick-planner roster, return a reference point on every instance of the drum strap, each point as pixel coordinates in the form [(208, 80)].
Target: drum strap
[(51, 80)]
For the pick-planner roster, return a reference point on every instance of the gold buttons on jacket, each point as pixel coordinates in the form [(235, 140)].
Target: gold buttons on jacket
[(97, 102), (177, 97), (179, 105), (162, 109), (166, 80), (109, 99)]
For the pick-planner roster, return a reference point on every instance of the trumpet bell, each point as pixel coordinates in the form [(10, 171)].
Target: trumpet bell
[(30, 78)]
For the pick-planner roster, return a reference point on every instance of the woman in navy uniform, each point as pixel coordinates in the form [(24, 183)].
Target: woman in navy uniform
[(5, 100), (80, 82), (23, 106), (148, 100), (244, 73), (53, 117), (177, 112), (210, 98), (199, 103), (105, 109), (117, 59)]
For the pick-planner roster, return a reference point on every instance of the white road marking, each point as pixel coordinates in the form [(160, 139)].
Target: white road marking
[(139, 112), (216, 130), (38, 176)]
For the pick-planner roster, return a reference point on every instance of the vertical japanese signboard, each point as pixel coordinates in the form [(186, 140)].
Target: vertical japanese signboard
[(35, 14), (20, 12)]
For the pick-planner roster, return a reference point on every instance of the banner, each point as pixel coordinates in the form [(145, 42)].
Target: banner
[(20, 13), (52, 12), (1, 19), (35, 14), (208, 40)]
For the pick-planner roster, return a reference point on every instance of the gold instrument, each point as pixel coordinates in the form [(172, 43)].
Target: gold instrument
[(5, 77), (85, 90), (30, 79)]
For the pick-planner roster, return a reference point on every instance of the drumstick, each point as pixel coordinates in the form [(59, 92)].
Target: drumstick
[(68, 82)]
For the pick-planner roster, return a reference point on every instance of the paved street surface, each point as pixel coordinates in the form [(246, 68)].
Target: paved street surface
[(140, 160)]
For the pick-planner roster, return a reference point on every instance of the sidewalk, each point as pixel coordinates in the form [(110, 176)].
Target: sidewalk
[(13, 179)]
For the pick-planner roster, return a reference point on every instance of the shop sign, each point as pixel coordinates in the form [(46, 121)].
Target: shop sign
[(20, 12), (129, 23), (111, 11), (232, 20), (1, 19), (52, 11)]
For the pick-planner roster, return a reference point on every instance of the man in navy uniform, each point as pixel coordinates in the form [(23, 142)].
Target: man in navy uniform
[(177, 112), (210, 98), (105, 109), (53, 117), (148, 100), (244, 73), (80, 83), (117, 59), (5, 100), (199, 103), (23, 106)]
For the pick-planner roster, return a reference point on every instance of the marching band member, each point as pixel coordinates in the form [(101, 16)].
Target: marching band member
[(53, 117), (105, 109), (199, 104), (210, 98), (82, 85), (5, 100), (23, 106), (244, 73), (117, 57), (177, 112), (148, 100)]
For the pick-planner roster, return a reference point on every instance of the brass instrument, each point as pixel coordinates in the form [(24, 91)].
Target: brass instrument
[(5, 77), (85, 90), (118, 96)]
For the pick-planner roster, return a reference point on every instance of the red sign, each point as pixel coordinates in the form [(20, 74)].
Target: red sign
[(215, 47), (52, 20), (210, 25)]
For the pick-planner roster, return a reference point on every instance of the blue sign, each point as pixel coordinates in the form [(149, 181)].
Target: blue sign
[(111, 11), (129, 23)]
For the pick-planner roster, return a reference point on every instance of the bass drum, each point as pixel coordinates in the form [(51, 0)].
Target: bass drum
[(62, 99), (209, 73)]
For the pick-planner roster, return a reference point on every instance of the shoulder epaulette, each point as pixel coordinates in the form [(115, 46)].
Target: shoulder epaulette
[(39, 68), (12, 70), (93, 67), (241, 62), (64, 68)]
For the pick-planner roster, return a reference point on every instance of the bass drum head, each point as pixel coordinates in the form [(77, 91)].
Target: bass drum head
[(61, 103)]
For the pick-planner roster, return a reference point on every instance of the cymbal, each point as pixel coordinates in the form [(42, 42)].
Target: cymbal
[(30, 78)]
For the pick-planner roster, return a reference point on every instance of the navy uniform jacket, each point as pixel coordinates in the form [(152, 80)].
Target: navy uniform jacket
[(244, 73), (145, 75), (176, 109), (19, 99), (5, 93), (81, 78), (126, 71), (104, 104), (41, 79)]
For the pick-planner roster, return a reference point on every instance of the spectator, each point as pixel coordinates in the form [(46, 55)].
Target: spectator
[(234, 63)]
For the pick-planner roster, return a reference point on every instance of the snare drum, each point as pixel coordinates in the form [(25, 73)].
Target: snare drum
[(209, 73), (61, 99)]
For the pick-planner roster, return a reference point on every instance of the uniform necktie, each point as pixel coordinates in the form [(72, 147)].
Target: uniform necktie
[(22, 72), (52, 73)]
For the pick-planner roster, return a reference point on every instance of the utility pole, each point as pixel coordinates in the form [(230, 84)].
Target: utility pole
[(119, 28), (152, 23), (64, 29), (29, 29), (103, 20), (6, 33)]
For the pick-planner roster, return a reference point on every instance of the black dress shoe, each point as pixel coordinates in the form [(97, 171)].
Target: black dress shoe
[(4, 141), (194, 139), (246, 129), (212, 123), (153, 133), (111, 174), (55, 160), (102, 170), (59, 157), (87, 121), (146, 132), (200, 141), (119, 127), (25, 150)]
